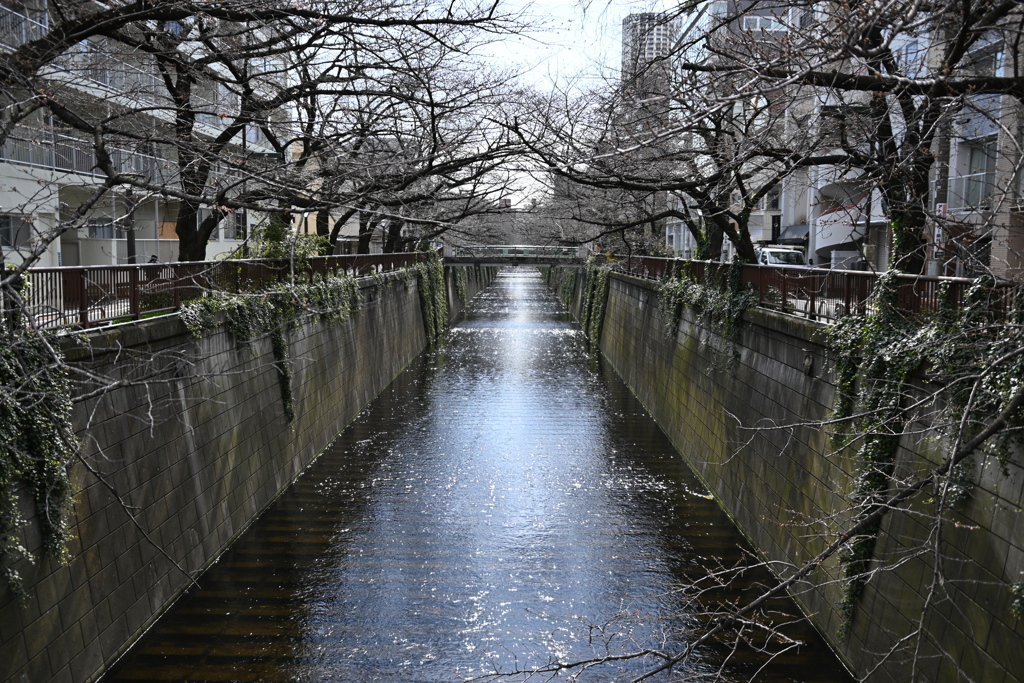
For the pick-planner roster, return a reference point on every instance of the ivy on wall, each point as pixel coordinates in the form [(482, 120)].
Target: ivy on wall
[(460, 285), (593, 297), (382, 280), (872, 362), (719, 305), (433, 295), (595, 300), (979, 365), (274, 310), (563, 282), (37, 445)]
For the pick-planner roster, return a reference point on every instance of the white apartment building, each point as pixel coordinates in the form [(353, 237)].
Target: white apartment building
[(976, 202), (46, 173)]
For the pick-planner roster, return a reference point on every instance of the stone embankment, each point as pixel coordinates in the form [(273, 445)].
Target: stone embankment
[(195, 446), (747, 417)]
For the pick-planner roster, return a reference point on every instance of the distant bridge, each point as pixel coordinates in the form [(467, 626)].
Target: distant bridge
[(513, 255)]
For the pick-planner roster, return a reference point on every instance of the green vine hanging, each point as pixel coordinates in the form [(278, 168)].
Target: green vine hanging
[(274, 310), (382, 280), (433, 296), (1017, 600), (595, 299), (563, 281), (37, 445), (873, 361), (460, 286), (719, 304), (963, 350)]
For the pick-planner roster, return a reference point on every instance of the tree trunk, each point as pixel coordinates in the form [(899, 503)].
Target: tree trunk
[(339, 223), (393, 242), (905, 196), (323, 229), (909, 241), (190, 247), (744, 245), (365, 232), (193, 236)]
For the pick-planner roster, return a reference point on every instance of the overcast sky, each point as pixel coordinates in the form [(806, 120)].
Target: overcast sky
[(574, 37)]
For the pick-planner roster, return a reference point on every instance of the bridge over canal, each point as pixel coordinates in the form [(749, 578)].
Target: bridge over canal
[(515, 255)]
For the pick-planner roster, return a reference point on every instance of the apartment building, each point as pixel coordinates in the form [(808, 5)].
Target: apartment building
[(975, 203), (47, 173), (974, 198)]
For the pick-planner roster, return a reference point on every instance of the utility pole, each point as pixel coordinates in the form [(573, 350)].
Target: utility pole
[(129, 224)]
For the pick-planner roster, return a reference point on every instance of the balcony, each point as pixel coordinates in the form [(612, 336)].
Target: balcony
[(127, 74), (16, 28), (844, 225), (43, 149), (102, 249)]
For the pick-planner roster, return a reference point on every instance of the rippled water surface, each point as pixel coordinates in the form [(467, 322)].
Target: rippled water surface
[(505, 503)]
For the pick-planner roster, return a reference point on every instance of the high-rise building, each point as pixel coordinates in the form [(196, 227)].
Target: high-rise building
[(646, 38)]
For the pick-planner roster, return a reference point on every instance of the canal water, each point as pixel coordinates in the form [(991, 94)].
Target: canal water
[(506, 503)]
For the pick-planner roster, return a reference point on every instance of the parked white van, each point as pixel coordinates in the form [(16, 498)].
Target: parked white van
[(780, 256)]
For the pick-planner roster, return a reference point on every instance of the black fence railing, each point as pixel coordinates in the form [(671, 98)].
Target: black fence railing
[(89, 296)]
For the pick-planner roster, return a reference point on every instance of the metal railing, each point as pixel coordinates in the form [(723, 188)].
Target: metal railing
[(813, 293), (973, 192), (491, 250), (164, 251), (90, 296), (17, 28), (126, 73), (43, 148)]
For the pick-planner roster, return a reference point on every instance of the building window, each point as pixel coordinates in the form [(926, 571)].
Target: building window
[(254, 134), (911, 59), (980, 178), (15, 231), (983, 62), (762, 23), (100, 228), (236, 226)]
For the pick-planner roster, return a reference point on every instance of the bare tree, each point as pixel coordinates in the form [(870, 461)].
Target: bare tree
[(679, 133), (216, 95), (891, 102)]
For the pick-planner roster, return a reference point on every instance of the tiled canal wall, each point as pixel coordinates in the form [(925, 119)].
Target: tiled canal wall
[(195, 454), (746, 423)]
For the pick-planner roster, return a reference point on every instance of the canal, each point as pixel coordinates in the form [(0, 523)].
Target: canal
[(504, 504)]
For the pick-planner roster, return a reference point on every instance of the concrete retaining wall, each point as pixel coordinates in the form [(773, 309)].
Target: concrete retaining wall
[(788, 490), (195, 453)]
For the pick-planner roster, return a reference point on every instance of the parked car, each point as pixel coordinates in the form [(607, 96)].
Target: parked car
[(780, 256)]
